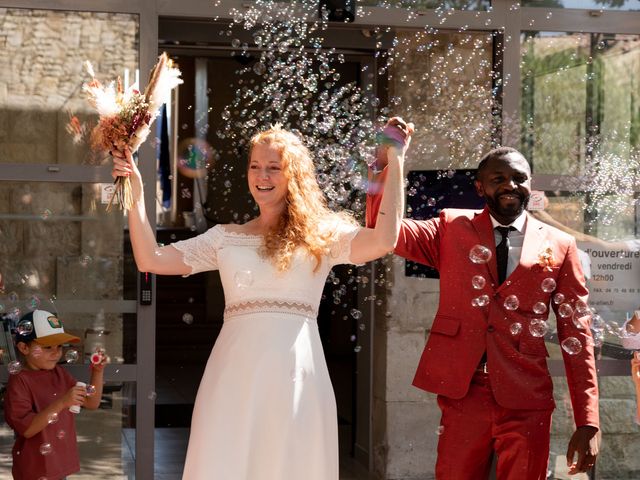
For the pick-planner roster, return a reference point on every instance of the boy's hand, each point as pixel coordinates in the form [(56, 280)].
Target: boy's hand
[(75, 396)]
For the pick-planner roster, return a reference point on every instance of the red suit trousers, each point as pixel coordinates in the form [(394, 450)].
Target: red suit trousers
[(475, 428)]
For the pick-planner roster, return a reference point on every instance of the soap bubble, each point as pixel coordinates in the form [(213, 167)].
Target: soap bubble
[(548, 285), (91, 390), (539, 308), (355, 313), (52, 418), (85, 260), (259, 68), (71, 356), (357, 348), (538, 327), (571, 345), (479, 254), (440, 430), (243, 278), (515, 328), (24, 328), (478, 282), (511, 302), (195, 155), (45, 448), (480, 301), (32, 303), (14, 367), (558, 298), (187, 318), (582, 317), (565, 310), (597, 322), (598, 339)]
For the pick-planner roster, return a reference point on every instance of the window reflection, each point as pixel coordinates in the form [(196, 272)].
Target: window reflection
[(44, 116), (585, 4), (431, 4)]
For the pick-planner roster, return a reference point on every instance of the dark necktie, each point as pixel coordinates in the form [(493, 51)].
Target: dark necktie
[(502, 253)]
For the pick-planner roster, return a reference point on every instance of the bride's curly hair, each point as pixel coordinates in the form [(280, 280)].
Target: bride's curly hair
[(307, 220)]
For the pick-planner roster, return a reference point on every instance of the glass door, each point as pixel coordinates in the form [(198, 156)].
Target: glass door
[(60, 250)]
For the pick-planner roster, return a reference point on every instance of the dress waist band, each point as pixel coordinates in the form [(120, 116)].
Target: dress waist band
[(270, 306)]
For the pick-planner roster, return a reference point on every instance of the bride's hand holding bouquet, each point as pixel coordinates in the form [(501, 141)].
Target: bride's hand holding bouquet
[(126, 116), (125, 167)]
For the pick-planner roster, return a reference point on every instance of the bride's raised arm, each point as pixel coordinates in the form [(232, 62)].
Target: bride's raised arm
[(372, 243), (148, 255)]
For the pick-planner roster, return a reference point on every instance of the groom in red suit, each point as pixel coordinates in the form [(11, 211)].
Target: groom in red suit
[(482, 360)]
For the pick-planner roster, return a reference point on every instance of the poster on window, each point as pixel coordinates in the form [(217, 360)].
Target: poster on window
[(613, 275)]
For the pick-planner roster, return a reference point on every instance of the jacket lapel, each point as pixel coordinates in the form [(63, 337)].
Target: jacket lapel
[(483, 226)]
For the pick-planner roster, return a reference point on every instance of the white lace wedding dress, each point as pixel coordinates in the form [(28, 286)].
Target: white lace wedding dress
[(265, 408)]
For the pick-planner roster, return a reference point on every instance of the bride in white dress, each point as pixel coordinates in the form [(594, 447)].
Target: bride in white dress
[(265, 408)]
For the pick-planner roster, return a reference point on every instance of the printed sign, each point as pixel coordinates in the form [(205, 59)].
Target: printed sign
[(536, 201), (106, 192), (614, 284)]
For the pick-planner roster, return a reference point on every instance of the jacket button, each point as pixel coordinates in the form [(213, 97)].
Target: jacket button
[(491, 329)]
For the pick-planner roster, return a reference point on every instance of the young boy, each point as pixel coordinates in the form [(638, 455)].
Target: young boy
[(38, 398)]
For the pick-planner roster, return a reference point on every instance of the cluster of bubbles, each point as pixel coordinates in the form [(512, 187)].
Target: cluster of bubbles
[(577, 311), (299, 85)]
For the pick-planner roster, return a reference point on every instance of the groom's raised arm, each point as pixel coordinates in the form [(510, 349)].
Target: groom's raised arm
[(419, 240)]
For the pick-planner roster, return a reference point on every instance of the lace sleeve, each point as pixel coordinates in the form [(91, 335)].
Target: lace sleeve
[(340, 249), (201, 252)]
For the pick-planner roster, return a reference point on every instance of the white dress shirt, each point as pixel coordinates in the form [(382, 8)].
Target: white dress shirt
[(514, 240)]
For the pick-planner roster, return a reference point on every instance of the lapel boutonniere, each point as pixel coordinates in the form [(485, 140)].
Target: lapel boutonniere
[(545, 257)]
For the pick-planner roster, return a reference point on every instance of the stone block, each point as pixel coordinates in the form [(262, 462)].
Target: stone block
[(27, 152), (616, 387), (53, 238), (403, 354), (28, 277), (11, 237), (617, 416), (85, 278), (33, 126), (412, 435), (619, 457)]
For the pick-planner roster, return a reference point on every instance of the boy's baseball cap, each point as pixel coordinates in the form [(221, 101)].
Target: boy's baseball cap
[(46, 329)]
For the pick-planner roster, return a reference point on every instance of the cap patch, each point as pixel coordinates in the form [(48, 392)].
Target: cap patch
[(54, 322)]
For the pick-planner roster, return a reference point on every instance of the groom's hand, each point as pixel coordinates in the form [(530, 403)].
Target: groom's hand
[(585, 443)]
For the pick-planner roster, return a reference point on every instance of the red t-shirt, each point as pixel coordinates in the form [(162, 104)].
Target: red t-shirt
[(28, 393)]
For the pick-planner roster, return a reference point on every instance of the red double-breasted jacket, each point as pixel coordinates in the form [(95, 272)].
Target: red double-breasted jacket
[(461, 333)]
